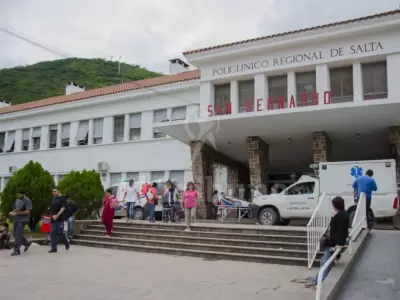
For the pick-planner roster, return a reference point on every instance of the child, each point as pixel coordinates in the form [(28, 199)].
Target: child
[(45, 228), (4, 234)]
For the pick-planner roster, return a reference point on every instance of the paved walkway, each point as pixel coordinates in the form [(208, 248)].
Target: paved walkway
[(377, 273), (92, 273)]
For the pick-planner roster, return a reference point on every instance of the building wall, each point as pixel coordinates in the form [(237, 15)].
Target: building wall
[(144, 156)]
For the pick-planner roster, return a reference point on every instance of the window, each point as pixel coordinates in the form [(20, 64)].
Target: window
[(246, 96), (135, 123), (98, 131), (2, 141), (36, 138), (119, 128), (305, 87), (222, 96), (133, 175), (278, 91), (301, 189), (25, 139), (157, 134), (178, 113), (115, 178), (179, 177), (160, 116), (374, 80), (10, 142), (157, 175), (82, 134), (65, 133), (341, 84), (53, 136)]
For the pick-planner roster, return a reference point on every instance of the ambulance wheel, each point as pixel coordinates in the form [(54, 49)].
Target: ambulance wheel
[(139, 214), (268, 216), (285, 222)]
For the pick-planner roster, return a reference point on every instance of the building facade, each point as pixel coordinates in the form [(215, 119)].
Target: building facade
[(262, 110)]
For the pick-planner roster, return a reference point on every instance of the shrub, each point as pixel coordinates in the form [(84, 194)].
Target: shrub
[(37, 184), (85, 189)]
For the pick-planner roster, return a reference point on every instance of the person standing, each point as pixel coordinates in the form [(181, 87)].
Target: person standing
[(107, 216), (130, 199), (57, 209), (190, 204), (366, 184), (20, 216), (152, 200), (71, 211)]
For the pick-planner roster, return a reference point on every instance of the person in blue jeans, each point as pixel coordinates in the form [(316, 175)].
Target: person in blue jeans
[(366, 184), (71, 211), (336, 237), (57, 209)]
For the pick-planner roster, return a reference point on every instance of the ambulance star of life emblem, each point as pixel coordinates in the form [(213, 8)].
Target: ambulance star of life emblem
[(356, 171)]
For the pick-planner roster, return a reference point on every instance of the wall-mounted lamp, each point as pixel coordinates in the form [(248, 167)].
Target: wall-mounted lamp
[(358, 136), (289, 141)]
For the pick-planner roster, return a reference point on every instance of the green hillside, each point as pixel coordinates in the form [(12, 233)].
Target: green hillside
[(48, 79)]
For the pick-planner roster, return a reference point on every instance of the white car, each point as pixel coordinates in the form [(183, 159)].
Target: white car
[(141, 206), (335, 178)]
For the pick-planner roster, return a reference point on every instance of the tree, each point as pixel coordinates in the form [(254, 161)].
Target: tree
[(85, 189), (37, 184)]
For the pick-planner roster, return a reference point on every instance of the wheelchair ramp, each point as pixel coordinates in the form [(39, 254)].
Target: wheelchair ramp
[(376, 275)]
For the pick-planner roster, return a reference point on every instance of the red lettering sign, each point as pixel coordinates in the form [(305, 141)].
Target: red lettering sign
[(273, 103)]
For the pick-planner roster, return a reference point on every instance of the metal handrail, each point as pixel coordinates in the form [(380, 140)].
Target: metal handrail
[(354, 233)]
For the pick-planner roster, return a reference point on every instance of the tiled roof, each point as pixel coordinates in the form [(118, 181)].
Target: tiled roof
[(384, 14), (119, 88)]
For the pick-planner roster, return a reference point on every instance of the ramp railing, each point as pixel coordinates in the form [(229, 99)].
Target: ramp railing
[(359, 223), (317, 226)]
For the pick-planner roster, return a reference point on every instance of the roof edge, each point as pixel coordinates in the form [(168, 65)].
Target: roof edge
[(293, 32)]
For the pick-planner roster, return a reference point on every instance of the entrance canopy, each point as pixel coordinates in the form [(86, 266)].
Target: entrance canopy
[(357, 131)]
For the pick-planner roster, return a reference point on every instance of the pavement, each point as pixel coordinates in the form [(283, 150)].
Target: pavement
[(93, 273), (376, 275)]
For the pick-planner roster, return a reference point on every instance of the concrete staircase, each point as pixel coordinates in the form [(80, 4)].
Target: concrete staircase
[(280, 245)]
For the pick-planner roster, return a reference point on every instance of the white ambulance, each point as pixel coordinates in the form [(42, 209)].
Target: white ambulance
[(335, 178)]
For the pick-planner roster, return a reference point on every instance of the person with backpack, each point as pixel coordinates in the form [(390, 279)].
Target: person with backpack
[(20, 216)]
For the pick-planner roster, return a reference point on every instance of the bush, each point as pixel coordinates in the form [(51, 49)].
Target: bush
[(85, 189), (37, 184)]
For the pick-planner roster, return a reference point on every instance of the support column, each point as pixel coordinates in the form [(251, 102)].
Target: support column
[(260, 90), (393, 74), (321, 147), (323, 82), (234, 97), (291, 86), (357, 83), (199, 169), (206, 98), (258, 152)]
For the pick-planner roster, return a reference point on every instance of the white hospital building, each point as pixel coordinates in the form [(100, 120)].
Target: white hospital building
[(258, 111)]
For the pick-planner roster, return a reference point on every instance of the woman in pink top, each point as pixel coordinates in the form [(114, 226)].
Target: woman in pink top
[(190, 203)]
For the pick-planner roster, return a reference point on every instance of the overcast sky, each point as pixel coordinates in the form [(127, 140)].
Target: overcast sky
[(149, 32)]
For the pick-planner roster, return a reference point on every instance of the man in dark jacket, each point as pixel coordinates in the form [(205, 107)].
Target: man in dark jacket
[(20, 216), (57, 208)]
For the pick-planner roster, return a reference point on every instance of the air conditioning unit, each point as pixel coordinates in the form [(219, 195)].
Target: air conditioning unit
[(12, 169), (102, 166)]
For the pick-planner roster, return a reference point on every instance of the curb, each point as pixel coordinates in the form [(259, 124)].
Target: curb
[(338, 274)]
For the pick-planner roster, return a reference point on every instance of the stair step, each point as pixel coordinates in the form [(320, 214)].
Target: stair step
[(220, 235), (221, 228), (202, 240), (214, 255), (198, 246)]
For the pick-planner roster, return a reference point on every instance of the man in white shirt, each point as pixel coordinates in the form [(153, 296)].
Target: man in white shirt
[(130, 199)]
